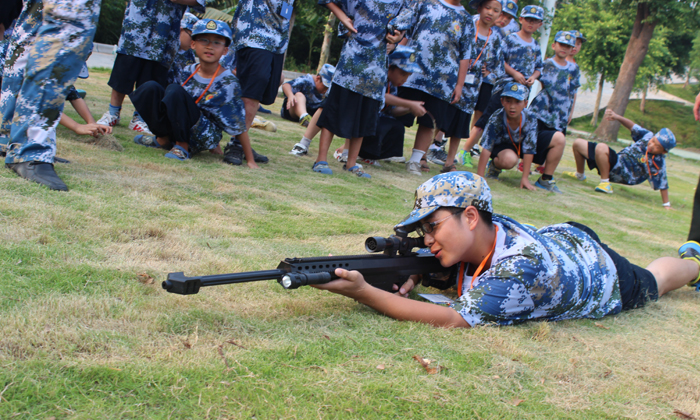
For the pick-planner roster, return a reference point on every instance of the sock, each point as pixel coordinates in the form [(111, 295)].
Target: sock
[(605, 180), (434, 147), (345, 152), (546, 177), (114, 110), (305, 142), (302, 117), (416, 155), (579, 176)]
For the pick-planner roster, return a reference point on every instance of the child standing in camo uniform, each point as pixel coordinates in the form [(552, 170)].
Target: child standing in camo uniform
[(442, 32), (508, 24), (149, 41)]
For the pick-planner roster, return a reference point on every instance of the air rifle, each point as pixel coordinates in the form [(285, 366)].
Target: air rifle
[(390, 261)]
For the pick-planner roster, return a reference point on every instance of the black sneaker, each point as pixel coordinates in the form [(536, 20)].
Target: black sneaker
[(233, 154), (39, 172), (257, 157)]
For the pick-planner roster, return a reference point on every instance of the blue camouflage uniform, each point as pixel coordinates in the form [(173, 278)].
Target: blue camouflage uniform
[(443, 35), (54, 61), (151, 29), (362, 67), (553, 104), (511, 28), (525, 57), (497, 133), (183, 58), (632, 168), (307, 86), (258, 24)]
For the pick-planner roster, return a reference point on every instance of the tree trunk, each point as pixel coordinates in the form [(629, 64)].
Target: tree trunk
[(687, 79), (291, 28), (643, 103), (596, 110), (326, 46), (637, 48)]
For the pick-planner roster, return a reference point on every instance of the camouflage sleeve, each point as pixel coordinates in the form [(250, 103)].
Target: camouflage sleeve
[(575, 80), (638, 133), (495, 61), (529, 140), (466, 43), (200, 7), (539, 64), (491, 132), (407, 17), (302, 84)]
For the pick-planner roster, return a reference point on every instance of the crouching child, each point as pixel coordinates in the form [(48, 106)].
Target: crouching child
[(190, 117), (303, 95)]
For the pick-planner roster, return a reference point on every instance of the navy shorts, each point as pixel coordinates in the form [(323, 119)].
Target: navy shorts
[(259, 72), (129, 71), (591, 157), (348, 114), (441, 110), (459, 127), (637, 285), (484, 97), (544, 138)]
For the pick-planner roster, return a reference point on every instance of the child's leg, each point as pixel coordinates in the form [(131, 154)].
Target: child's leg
[(580, 149), (673, 273), (475, 117), (117, 99), (424, 136), (313, 129), (353, 145), (452, 150), (324, 144), (251, 108), (602, 160), (247, 150), (474, 137), (299, 108), (506, 159), (554, 153)]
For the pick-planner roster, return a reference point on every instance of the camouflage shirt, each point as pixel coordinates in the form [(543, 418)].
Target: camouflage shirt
[(632, 168), (498, 132), (258, 24), (221, 108), (490, 55), (307, 86), (183, 58), (521, 56), (443, 35), (151, 29), (362, 67), (228, 60), (556, 273), (553, 104)]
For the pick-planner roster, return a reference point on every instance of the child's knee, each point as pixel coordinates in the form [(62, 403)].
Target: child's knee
[(602, 149), (506, 160), (558, 139)]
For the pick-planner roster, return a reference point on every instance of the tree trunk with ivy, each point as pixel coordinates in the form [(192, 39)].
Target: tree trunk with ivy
[(327, 38)]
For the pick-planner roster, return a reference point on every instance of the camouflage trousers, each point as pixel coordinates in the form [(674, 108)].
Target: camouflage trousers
[(54, 62)]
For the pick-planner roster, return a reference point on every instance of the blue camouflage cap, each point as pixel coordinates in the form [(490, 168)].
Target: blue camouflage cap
[(404, 58), (578, 35), (211, 26), (326, 73), (452, 189), (511, 8), (565, 38), (535, 12), (188, 21), (516, 90), (666, 139)]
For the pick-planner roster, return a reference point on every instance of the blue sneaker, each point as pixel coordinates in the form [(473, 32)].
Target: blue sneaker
[(492, 171), (322, 168), (178, 153), (148, 141), (550, 185), (357, 170), (691, 251)]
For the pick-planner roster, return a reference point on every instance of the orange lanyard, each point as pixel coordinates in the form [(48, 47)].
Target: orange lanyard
[(460, 280), (646, 160), (520, 126), (208, 86), (476, 37)]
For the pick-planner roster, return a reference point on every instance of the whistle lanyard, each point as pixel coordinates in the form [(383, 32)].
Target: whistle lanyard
[(208, 86), (646, 160), (520, 126), (479, 269), (476, 37)]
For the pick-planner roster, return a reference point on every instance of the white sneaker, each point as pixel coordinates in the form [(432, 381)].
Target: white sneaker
[(109, 119), (413, 168), (395, 159), (338, 155), (299, 150), (137, 124), (370, 162)]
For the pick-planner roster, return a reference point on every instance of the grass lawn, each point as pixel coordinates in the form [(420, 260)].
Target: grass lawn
[(659, 114), (677, 89), (84, 338)]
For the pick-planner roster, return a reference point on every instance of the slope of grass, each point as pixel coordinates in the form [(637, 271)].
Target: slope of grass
[(678, 90)]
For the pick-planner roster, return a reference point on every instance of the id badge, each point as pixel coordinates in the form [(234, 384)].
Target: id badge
[(470, 79), (286, 11)]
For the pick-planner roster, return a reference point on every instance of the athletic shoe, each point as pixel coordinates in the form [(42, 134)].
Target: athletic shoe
[(233, 154), (492, 172), (137, 124), (263, 110), (436, 156), (305, 121), (322, 168), (148, 141), (357, 170), (540, 169), (691, 251), (178, 153), (109, 119), (370, 162), (263, 124), (395, 159), (448, 168), (299, 150), (257, 157), (604, 187), (465, 158), (550, 185), (413, 168), (573, 175), (475, 152), (339, 156)]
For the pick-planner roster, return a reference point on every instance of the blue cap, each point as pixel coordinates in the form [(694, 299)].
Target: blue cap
[(451, 189), (578, 35), (511, 8), (516, 90), (211, 26), (565, 38), (188, 21), (666, 139), (326, 73), (404, 58), (535, 12)]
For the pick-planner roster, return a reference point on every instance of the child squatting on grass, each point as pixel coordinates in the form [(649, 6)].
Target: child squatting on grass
[(511, 273)]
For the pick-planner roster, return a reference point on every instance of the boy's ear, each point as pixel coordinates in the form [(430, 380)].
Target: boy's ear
[(471, 217)]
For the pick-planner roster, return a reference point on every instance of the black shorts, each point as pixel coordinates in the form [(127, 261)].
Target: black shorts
[(387, 142), (348, 114), (484, 97), (493, 106), (612, 157), (284, 112), (459, 127), (259, 72), (129, 71), (544, 138), (637, 285), (441, 110)]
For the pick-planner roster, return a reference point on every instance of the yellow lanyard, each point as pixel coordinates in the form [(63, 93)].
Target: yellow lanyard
[(460, 280), (208, 86)]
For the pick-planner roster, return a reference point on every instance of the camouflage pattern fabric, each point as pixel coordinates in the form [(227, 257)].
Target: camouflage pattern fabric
[(443, 35), (306, 85), (631, 167), (512, 27), (556, 273), (221, 109), (228, 60), (388, 110), (151, 29), (54, 61), (362, 67), (553, 104), (492, 58), (183, 58), (521, 56), (498, 131), (258, 24)]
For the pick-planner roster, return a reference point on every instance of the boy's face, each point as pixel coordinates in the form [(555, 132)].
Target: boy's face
[(577, 48), (489, 12), (209, 47), (450, 240), (503, 20), (562, 50), (185, 39), (530, 25), (512, 107), (397, 77), (654, 147), (320, 87)]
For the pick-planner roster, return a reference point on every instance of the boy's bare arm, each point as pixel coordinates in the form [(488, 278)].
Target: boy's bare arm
[(463, 68), (611, 115), (536, 75), (414, 107), (483, 160), (82, 109), (342, 17), (353, 285), (524, 180), (287, 90), (571, 114), (185, 2)]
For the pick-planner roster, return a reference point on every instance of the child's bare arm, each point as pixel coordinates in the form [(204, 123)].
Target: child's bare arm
[(611, 115), (524, 180), (91, 129), (463, 68), (247, 150), (571, 114), (414, 107), (342, 17), (82, 109), (531, 79), (483, 160), (287, 90), (185, 2)]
